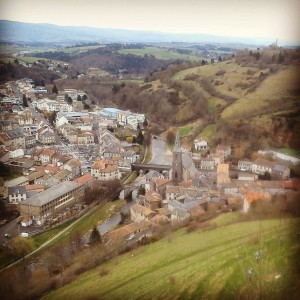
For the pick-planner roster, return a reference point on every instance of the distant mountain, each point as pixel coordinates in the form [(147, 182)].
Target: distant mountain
[(11, 31)]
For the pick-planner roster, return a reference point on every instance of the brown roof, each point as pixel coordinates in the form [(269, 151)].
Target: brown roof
[(31, 187), (48, 152), (127, 230), (84, 179), (160, 181), (264, 162), (4, 136), (37, 174), (142, 210), (153, 196)]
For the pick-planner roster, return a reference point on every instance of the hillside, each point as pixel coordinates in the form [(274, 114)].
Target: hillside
[(208, 263), (245, 102), (11, 31)]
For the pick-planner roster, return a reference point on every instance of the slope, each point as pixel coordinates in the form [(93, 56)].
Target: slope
[(210, 264)]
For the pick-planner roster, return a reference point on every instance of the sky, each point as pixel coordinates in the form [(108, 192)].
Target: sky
[(268, 19)]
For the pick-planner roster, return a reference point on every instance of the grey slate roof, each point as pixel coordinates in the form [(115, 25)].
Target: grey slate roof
[(16, 190), (52, 193)]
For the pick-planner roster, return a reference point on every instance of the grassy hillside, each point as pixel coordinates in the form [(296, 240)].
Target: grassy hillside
[(159, 53), (209, 264)]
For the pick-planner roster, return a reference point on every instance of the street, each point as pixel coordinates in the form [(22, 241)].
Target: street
[(161, 155)]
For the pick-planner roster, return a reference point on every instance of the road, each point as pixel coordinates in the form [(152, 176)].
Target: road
[(161, 154)]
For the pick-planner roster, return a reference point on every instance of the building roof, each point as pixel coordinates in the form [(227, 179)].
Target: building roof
[(48, 152), (142, 210), (31, 187), (153, 196), (51, 193), (17, 181), (264, 162), (84, 179), (16, 190)]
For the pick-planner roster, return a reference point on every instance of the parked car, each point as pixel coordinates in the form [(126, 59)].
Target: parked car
[(7, 235), (24, 234)]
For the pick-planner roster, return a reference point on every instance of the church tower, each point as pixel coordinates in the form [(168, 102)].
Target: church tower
[(177, 169)]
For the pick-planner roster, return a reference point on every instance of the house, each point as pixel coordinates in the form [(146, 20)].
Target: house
[(218, 157), (45, 156), (73, 165), (222, 174), (261, 166), (124, 232), (140, 213), (200, 145), (53, 203), (280, 172), (16, 194), (160, 185), (224, 149), (46, 136), (207, 164), (17, 137), (251, 196), (85, 138), (150, 177), (244, 165), (152, 200), (105, 170), (85, 180), (25, 220)]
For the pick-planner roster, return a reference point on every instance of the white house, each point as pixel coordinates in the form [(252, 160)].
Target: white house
[(201, 145)]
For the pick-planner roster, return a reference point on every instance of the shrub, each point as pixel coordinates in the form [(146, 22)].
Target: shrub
[(220, 72)]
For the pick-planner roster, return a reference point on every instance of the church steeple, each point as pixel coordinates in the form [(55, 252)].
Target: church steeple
[(177, 147), (177, 167)]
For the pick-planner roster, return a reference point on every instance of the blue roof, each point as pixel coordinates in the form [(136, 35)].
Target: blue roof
[(110, 109)]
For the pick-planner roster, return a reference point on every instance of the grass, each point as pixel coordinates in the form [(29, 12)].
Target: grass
[(29, 59), (289, 151), (209, 264), (208, 131), (159, 53), (80, 49), (275, 93), (186, 130), (100, 214)]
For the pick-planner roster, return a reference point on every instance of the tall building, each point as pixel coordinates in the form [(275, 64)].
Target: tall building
[(177, 168)]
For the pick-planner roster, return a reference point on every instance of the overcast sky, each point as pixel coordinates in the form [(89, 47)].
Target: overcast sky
[(238, 18)]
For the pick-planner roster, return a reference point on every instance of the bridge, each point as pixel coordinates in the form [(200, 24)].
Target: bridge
[(129, 191), (149, 167)]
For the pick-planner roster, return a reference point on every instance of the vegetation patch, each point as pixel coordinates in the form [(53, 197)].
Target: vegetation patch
[(214, 264)]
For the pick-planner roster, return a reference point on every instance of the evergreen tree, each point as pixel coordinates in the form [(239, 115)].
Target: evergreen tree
[(145, 123), (25, 103), (95, 237), (55, 90), (140, 138)]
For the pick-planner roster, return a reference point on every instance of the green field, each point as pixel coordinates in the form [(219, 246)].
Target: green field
[(80, 49), (159, 53), (289, 151), (186, 130), (204, 264)]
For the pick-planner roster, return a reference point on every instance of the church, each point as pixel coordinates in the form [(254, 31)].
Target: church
[(183, 167)]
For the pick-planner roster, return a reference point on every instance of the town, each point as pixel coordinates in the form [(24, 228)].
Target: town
[(57, 151)]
